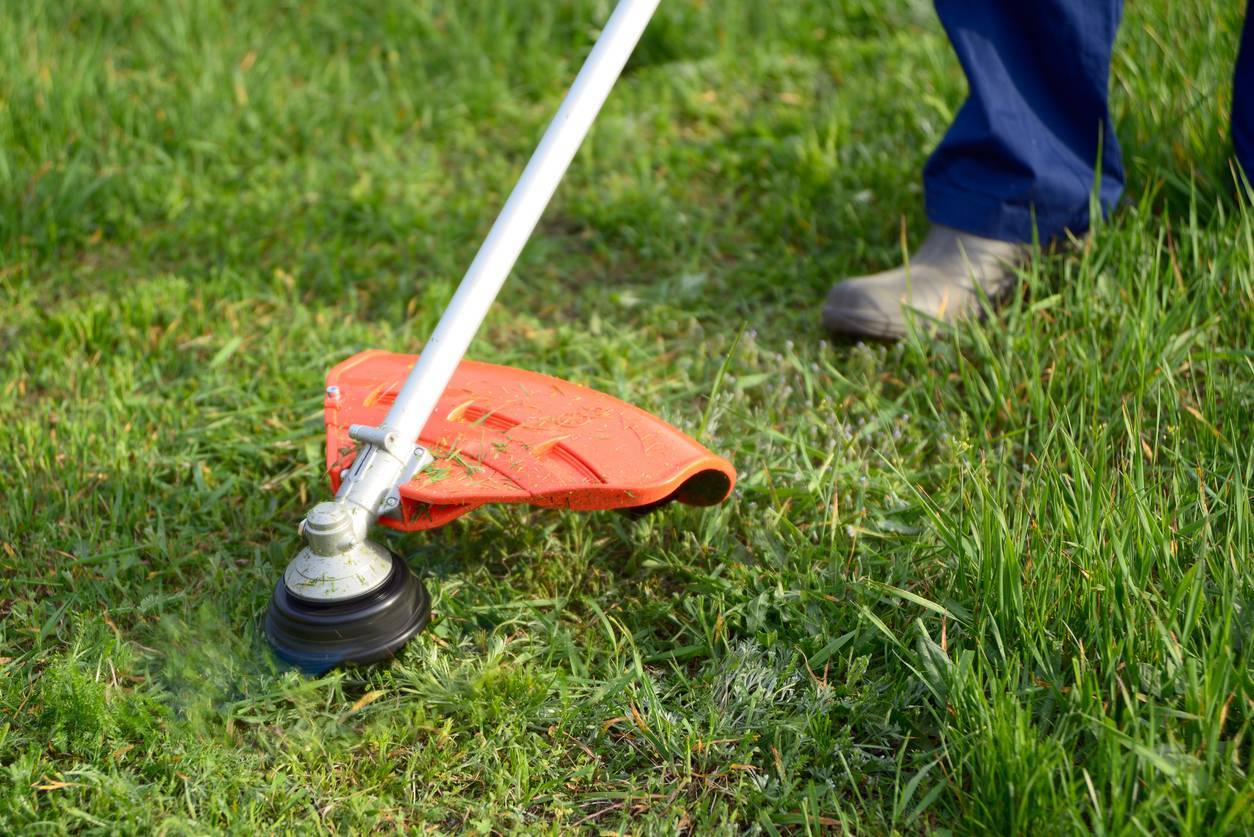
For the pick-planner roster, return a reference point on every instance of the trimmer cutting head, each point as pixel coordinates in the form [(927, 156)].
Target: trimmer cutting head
[(319, 635)]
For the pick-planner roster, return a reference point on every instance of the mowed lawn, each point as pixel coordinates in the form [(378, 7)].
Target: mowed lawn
[(998, 582)]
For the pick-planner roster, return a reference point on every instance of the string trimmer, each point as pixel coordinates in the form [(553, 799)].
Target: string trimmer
[(416, 441)]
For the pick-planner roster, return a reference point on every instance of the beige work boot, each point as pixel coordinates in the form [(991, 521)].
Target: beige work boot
[(944, 282)]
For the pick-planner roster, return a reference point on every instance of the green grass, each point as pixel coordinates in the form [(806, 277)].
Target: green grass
[(997, 583)]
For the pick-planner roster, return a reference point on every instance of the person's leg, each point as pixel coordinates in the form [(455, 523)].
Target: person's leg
[(1022, 153), (1243, 97), (1021, 158)]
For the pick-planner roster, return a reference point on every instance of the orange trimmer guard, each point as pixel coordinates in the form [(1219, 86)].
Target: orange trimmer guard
[(505, 435)]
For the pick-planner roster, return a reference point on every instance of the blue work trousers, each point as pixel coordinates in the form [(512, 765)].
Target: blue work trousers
[(1025, 149)]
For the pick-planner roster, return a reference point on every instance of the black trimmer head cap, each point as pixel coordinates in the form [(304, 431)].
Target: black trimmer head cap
[(317, 636)]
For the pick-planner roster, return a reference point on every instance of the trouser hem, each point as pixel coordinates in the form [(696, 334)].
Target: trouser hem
[(990, 217)]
